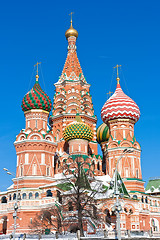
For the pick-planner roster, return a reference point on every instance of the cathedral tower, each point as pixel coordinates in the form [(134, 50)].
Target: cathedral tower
[(121, 113), (72, 96), (35, 145)]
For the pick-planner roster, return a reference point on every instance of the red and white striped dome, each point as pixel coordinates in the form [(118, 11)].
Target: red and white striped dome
[(119, 105)]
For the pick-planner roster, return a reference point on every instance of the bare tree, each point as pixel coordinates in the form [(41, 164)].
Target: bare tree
[(80, 191), (50, 218)]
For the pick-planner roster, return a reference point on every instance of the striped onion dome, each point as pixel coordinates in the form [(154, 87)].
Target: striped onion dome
[(119, 105), (36, 98), (78, 130), (102, 133)]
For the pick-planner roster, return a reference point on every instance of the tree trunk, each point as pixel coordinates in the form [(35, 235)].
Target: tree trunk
[(80, 218)]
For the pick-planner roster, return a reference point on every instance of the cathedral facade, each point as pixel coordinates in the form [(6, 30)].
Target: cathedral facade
[(43, 148)]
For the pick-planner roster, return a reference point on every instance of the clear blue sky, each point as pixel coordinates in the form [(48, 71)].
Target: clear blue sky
[(110, 33)]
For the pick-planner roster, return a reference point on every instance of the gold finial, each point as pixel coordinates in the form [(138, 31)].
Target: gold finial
[(71, 31), (109, 93), (37, 76), (117, 66), (71, 17)]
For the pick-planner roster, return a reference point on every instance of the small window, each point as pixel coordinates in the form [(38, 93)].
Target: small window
[(31, 220), (155, 203), (4, 199), (14, 196), (30, 195), (142, 199), (19, 196), (24, 196), (146, 200), (36, 195), (135, 197), (10, 197), (48, 193), (125, 209)]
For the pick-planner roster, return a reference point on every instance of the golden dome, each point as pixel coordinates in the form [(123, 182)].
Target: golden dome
[(71, 32)]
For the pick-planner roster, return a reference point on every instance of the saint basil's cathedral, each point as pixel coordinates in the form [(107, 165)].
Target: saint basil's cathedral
[(42, 148)]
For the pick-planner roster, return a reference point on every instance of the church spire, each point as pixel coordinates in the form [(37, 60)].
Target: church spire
[(72, 70), (118, 79), (37, 76)]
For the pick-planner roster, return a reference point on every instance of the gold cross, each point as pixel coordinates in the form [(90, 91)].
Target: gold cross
[(71, 15), (117, 66), (37, 66), (109, 93)]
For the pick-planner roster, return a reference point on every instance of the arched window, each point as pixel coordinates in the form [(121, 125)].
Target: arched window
[(135, 197), (48, 193), (36, 195), (146, 200), (130, 211), (155, 203), (14, 196), (10, 197), (30, 195), (126, 210), (4, 199), (24, 196), (142, 199), (19, 196), (70, 206)]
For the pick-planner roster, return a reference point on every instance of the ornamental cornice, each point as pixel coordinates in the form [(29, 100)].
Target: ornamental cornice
[(69, 115), (34, 141)]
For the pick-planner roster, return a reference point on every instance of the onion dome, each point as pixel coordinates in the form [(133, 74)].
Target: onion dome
[(36, 98), (102, 133), (119, 105), (78, 130), (71, 31)]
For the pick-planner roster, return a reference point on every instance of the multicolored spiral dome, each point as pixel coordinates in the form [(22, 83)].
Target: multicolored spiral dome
[(102, 133), (78, 130), (119, 105), (36, 98)]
